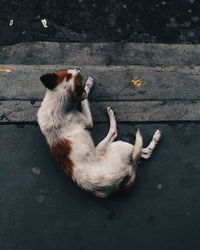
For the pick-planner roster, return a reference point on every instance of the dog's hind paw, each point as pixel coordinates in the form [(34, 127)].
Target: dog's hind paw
[(110, 111), (157, 135)]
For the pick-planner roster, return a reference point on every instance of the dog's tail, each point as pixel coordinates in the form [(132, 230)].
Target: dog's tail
[(137, 147)]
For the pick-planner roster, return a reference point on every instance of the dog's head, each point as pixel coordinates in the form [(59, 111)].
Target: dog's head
[(68, 82)]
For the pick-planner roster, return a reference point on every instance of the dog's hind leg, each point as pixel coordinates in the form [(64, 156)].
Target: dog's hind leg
[(112, 134), (85, 104), (146, 152)]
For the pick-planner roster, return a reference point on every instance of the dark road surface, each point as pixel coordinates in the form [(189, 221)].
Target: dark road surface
[(160, 21), (43, 209)]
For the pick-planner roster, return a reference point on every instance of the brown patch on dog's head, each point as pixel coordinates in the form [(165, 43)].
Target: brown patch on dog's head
[(72, 80), (51, 80), (61, 152), (60, 75)]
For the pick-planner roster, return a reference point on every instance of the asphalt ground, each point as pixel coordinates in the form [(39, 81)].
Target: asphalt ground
[(157, 21), (41, 208)]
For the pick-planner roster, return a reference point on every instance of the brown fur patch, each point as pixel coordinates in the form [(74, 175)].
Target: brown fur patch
[(61, 151), (60, 76), (129, 186), (126, 184)]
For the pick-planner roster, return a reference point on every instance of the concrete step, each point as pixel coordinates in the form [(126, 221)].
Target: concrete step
[(170, 91), (167, 93), (111, 82), (144, 111), (101, 54)]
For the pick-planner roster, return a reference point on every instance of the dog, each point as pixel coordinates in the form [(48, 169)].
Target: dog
[(111, 165)]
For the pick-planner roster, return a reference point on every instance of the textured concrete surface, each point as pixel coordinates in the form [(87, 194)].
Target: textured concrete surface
[(166, 93), (83, 53), (171, 21), (111, 82), (41, 208), (129, 111)]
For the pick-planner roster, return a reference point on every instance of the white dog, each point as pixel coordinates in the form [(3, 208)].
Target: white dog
[(109, 167)]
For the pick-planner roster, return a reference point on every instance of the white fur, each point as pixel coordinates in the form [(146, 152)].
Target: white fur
[(98, 169)]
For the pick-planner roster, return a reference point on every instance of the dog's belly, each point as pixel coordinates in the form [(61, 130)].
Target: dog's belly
[(83, 150), (119, 152)]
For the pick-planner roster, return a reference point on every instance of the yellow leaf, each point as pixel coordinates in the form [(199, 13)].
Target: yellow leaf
[(5, 70), (137, 82)]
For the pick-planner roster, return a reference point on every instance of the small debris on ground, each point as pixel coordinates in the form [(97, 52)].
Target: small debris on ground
[(40, 199), (44, 23), (137, 82), (36, 170), (191, 1), (159, 186), (11, 22)]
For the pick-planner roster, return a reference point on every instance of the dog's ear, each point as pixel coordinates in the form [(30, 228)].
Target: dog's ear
[(49, 80)]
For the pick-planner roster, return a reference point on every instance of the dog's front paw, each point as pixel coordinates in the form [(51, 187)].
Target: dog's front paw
[(90, 82), (157, 135)]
